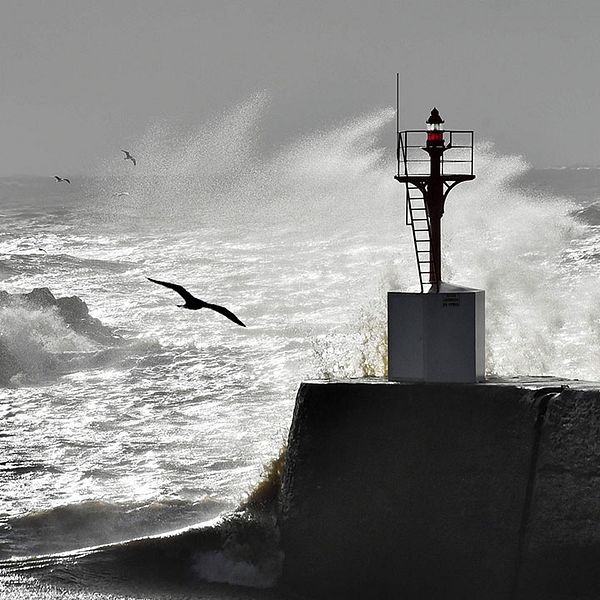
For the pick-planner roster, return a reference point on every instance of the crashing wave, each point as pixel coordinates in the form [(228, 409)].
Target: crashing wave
[(40, 334), (239, 548)]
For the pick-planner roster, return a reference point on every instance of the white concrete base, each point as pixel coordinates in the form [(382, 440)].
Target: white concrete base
[(437, 336)]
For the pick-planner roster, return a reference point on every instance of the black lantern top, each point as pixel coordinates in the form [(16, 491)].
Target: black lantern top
[(435, 119), (435, 137)]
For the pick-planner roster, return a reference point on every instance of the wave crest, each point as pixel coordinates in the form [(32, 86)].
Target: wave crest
[(41, 335)]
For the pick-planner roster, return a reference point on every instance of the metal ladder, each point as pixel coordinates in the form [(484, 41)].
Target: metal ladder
[(418, 218)]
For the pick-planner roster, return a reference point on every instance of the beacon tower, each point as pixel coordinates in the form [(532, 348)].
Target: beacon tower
[(437, 335)]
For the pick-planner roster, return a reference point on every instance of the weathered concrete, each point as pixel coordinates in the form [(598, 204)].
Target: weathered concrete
[(562, 559), (488, 491), (437, 337)]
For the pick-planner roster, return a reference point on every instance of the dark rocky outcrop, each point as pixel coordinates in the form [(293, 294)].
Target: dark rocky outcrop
[(72, 310), (9, 365)]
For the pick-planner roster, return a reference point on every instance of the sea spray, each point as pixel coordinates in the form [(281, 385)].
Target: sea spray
[(522, 249), (33, 340), (41, 335)]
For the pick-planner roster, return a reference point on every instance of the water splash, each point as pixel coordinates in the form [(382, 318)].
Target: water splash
[(527, 250), (33, 341)]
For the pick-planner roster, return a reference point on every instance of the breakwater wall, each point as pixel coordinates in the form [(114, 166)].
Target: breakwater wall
[(486, 491)]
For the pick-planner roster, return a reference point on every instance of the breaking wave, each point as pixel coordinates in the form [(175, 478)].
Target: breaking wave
[(42, 337), (534, 252), (530, 251), (36, 343), (239, 548), (95, 522)]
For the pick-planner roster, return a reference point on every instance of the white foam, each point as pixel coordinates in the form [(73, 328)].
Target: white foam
[(217, 567), (36, 338)]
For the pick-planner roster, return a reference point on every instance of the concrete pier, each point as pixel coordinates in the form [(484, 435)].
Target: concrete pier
[(474, 491)]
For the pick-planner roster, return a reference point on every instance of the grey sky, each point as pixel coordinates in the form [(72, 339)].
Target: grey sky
[(80, 80)]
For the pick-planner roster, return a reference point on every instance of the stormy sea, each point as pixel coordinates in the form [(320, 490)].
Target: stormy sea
[(133, 431)]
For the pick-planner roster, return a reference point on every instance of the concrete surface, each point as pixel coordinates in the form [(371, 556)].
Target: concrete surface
[(485, 491)]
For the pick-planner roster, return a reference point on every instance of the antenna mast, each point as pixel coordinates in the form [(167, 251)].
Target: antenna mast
[(397, 104)]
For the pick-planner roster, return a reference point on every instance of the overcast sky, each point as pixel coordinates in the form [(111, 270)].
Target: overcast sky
[(79, 80)]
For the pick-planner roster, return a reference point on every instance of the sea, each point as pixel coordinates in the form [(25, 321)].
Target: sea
[(111, 447)]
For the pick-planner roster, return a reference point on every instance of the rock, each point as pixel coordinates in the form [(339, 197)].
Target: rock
[(72, 308), (9, 366), (41, 297)]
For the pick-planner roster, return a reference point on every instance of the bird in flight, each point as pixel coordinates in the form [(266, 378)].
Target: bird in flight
[(193, 303), (119, 194), (129, 157), (59, 179)]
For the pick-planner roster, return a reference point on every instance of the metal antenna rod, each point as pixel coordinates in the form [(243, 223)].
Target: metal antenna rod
[(397, 141), (397, 102)]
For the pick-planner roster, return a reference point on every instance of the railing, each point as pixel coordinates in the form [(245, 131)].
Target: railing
[(457, 159)]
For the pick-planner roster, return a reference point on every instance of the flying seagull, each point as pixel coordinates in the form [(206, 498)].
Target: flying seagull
[(119, 194), (195, 303), (129, 157), (59, 179)]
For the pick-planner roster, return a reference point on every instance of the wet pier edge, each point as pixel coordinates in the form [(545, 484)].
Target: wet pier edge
[(487, 491)]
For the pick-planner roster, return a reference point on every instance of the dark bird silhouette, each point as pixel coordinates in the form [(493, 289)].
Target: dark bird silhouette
[(129, 157), (193, 303), (59, 179), (42, 250)]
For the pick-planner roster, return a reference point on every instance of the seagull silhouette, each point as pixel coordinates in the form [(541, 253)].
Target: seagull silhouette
[(59, 179), (129, 157), (119, 194), (193, 303)]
